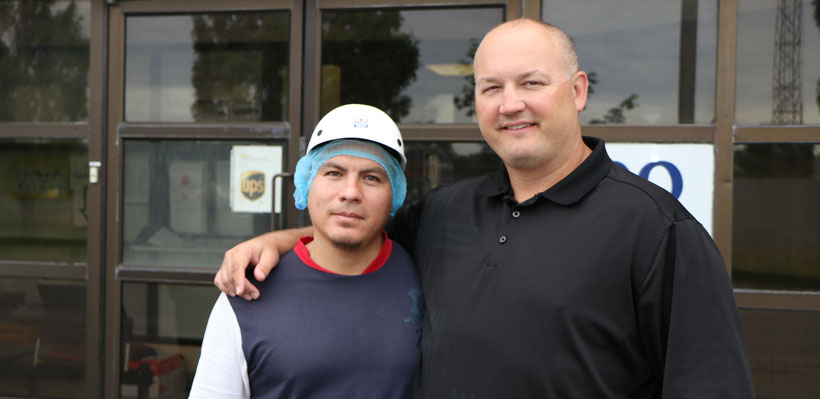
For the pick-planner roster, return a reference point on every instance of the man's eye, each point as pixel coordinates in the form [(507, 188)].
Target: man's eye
[(333, 173), (533, 83), (489, 89), (373, 178)]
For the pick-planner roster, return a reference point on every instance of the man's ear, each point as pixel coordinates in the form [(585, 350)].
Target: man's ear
[(580, 87)]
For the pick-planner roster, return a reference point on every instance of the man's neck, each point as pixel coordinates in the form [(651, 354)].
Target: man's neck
[(344, 261), (528, 182)]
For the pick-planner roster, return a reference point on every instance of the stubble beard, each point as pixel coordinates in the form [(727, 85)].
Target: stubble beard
[(346, 245)]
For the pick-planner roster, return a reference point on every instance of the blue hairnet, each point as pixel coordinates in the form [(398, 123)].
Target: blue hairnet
[(309, 164)]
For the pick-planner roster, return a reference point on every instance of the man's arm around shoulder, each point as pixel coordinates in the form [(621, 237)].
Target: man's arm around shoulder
[(261, 252)]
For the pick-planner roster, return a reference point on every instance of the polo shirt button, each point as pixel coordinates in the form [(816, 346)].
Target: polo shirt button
[(516, 214), (502, 239)]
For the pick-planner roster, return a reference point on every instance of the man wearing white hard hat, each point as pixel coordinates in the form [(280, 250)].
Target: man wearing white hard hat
[(342, 314)]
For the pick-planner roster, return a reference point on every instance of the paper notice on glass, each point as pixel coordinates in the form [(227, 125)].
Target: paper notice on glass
[(187, 199), (252, 171)]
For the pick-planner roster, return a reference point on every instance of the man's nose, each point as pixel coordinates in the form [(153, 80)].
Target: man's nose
[(511, 102), (351, 191)]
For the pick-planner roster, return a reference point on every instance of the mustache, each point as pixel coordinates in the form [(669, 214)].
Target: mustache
[(349, 210)]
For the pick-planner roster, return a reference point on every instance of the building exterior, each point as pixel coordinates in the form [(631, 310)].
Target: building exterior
[(123, 126)]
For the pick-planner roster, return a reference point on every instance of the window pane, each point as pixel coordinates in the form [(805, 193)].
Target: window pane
[(650, 62), (43, 187), (432, 163), (207, 67), (778, 62), (44, 55), (176, 206), (416, 65), (42, 338), (784, 352), (776, 229), (163, 324)]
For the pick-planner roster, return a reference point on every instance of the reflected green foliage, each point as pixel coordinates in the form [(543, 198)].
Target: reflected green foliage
[(775, 230), (785, 160), (240, 70), (592, 77), (377, 61), (466, 99), (431, 164), (617, 114), (463, 166), (44, 58), (816, 13), (816, 5), (593, 80)]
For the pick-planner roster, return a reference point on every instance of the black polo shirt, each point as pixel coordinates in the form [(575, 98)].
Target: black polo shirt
[(603, 286)]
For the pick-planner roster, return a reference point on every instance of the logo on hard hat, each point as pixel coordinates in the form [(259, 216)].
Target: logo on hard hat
[(359, 122), (253, 184)]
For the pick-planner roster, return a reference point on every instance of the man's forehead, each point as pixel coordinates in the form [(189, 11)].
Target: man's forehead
[(350, 162), (506, 37), (533, 73)]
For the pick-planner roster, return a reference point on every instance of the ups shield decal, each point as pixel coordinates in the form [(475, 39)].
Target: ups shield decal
[(253, 184)]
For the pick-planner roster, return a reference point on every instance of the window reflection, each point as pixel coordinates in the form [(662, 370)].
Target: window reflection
[(784, 352), (163, 325), (43, 197), (778, 65), (416, 65), (430, 164), (649, 62), (775, 232), (42, 338), (176, 205), (44, 56), (207, 67)]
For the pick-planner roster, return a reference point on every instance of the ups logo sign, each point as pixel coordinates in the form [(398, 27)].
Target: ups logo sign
[(253, 184)]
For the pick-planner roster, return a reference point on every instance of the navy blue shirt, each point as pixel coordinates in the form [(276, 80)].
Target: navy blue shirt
[(313, 334)]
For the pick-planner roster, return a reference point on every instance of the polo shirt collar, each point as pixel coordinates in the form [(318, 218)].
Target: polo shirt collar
[(569, 190)]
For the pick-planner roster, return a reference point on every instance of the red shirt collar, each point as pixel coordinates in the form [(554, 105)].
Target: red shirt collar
[(303, 254)]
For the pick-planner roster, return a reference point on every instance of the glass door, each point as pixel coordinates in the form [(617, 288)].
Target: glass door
[(50, 242), (204, 100)]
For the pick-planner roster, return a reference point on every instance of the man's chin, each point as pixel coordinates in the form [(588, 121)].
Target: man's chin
[(522, 161), (346, 244)]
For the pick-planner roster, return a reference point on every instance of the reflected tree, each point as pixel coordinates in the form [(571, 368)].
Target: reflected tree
[(816, 5), (784, 160), (465, 100), (617, 114), (375, 61), (44, 56), (435, 163), (593, 80), (240, 66)]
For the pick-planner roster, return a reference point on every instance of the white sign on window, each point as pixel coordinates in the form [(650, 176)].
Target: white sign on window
[(187, 196), (685, 170), (252, 171)]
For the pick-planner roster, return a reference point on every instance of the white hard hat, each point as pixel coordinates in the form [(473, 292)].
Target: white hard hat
[(358, 121)]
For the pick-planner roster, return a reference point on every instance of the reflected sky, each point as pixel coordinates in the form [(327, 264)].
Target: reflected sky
[(443, 37), (232, 67), (634, 49), (630, 52), (755, 59), (171, 37), (163, 42)]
